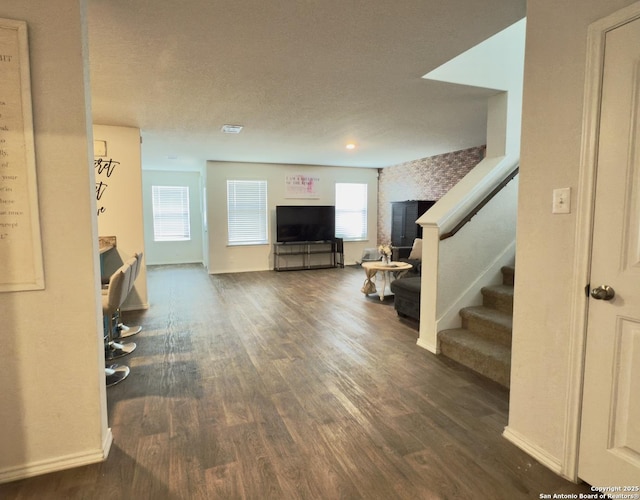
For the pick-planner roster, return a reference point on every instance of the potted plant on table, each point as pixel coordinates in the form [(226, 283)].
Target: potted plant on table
[(385, 252)]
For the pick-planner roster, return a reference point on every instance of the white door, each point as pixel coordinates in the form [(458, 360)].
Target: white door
[(610, 430)]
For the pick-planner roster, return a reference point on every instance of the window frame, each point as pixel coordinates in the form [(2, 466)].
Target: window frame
[(362, 211), (174, 225), (260, 213)]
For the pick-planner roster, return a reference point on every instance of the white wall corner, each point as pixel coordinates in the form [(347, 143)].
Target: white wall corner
[(428, 338)]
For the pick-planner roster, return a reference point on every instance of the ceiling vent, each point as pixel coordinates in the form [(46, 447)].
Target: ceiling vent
[(232, 129)]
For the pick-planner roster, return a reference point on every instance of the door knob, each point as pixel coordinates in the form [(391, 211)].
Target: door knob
[(603, 292)]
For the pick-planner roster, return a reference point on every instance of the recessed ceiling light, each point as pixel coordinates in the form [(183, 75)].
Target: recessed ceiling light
[(232, 129), (350, 146)]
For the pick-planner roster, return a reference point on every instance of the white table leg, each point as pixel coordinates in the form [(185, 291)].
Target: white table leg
[(384, 284)]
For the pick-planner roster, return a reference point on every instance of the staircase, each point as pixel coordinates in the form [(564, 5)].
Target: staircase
[(483, 344)]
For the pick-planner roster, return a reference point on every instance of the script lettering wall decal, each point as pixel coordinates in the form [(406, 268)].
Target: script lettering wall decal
[(104, 170), (20, 245)]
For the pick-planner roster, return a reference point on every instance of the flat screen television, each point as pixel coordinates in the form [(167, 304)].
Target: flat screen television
[(305, 223)]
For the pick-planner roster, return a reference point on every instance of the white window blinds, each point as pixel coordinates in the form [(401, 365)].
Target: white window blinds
[(171, 220), (351, 211), (247, 212)]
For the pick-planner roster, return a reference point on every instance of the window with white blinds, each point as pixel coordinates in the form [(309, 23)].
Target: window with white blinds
[(171, 220), (247, 212), (351, 211)]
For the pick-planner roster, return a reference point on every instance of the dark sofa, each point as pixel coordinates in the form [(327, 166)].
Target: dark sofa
[(406, 290)]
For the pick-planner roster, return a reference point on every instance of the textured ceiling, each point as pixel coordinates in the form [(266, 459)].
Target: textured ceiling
[(304, 77)]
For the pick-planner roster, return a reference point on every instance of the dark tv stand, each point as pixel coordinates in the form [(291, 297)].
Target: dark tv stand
[(302, 255)]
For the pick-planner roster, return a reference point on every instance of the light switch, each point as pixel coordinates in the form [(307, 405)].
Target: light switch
[(561, 201), (100, 148)]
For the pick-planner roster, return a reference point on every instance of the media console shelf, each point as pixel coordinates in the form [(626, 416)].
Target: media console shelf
[(308, 255)]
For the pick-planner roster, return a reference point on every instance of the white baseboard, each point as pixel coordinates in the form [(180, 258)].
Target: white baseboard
[(57, 464), (427, 345), (106, 444), (542, 456), (136, 307)]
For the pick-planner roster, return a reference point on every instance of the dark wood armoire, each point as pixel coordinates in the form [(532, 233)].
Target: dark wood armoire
[(403, 221)]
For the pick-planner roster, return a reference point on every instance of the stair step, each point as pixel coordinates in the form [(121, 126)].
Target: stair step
[(489, 358), (483, 344), (508, 275), (498, 297), (489, 324)]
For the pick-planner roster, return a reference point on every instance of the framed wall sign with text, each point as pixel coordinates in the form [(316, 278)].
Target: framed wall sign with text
[(20, 244), (301, 186)]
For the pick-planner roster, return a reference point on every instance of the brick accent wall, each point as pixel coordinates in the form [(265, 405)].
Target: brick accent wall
[(424, 179)]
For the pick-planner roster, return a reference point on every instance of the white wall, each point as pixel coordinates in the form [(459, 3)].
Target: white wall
[(550, 158), (53, 403), (120, 205), (173, 252), (223, 258), (496, 63)]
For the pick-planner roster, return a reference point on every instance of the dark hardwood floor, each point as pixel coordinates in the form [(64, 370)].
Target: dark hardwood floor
[(294, 386)]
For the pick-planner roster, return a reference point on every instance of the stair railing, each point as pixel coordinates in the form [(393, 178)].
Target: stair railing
[(482, 203), (452, 275)]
